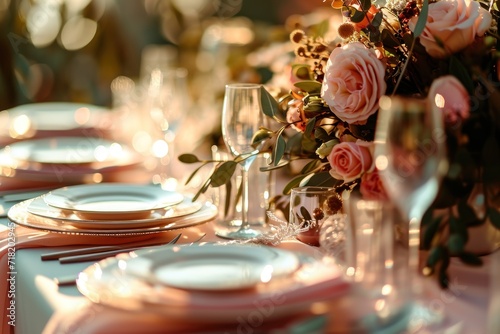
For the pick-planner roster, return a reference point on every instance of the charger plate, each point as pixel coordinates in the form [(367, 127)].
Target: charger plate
[(20, 215), (39, 207)]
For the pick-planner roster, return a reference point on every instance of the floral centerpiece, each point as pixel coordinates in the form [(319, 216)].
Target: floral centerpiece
[(444, 51)]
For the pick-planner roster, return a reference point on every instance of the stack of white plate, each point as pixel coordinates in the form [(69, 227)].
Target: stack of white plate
[(111, 208), (64, 143)]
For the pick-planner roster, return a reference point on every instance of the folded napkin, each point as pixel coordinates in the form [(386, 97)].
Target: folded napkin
[(19, 237), (271, 306)]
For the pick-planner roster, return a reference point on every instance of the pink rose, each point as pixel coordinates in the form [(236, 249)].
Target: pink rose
[(372, 187), (353, 83), (454, 23), (450, 96), (349, 160)]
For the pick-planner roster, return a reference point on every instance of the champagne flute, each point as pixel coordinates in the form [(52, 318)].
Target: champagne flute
[(242, 117), (410, 154)]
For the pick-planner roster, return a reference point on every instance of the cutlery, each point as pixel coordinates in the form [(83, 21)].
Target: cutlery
[(105, 254)]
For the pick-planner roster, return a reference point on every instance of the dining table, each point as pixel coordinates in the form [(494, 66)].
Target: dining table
[(43, 306), (41, 296)]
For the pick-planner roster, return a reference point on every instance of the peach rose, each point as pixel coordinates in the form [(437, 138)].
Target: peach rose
[(353, 83), (450, 96), (349, 160), (372, 187), (452, 25)]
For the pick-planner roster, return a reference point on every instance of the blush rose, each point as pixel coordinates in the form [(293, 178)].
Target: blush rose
[(452, 25), (371, 186), (349, 160), (450, 96), (353, 83)]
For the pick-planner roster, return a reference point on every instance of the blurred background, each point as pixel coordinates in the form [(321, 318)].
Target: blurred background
[(158, 66), (71, 50)]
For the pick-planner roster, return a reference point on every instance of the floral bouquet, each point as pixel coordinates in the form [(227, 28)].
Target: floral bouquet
[(444, 51)]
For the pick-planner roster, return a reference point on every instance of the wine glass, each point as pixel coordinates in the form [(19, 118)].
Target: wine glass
[(410, 154), (242, 117)]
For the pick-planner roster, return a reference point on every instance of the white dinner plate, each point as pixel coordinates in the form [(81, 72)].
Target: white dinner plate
[(56, 116), (213, 267), (118, 282), (65, 150), (157, 217), (112, 200), (20, 215)]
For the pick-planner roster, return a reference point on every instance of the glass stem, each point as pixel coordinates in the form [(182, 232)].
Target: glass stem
[(244, 198), (414, 255)]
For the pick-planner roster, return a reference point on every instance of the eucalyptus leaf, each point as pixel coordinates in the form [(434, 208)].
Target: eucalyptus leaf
[(295, 182), (261, 135), (227, 202), (309, 86), (422, 19), (188, 158), (471, 259), (223, 173), (435, 255), (305, 214), (270, 106), (456, 243), (366, 4), (356, 15), (278, 150)]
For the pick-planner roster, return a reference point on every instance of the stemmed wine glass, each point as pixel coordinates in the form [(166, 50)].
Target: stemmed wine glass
[(410, 154), (242, 117)]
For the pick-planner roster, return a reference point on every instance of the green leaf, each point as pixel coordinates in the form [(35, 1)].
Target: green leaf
[(467, 213), (422, 19), (456, 243), (321, 134), (494, 217), (377, 19), (261, 135), (356, 15), (305, 214), (310, 127), (292, 184), (309, 86), (435, 255), (471, 259), (366, 4), (201, 190), (457, 226), (269, 104), (188, 158), (278, 150), (310, 166), (223, 173), (323, 179)]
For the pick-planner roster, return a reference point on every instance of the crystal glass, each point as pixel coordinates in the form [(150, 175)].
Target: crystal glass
[(410, 154), (242, 117)]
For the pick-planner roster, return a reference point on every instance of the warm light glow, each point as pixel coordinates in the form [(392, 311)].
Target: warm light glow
[(381, 162), (20, 126), (82, 115), (142, 142), (101, 153), (78, 32), (267, 274), (439, 100), (160, 148), (386, 289), (43, 23)]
